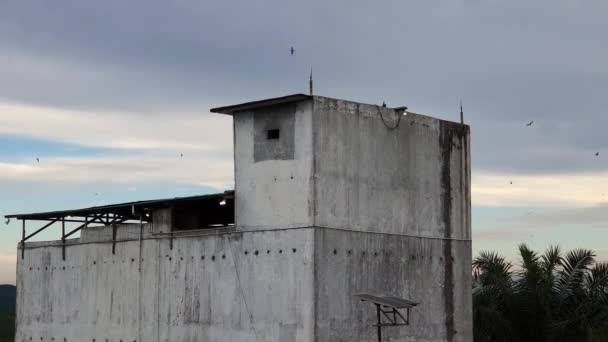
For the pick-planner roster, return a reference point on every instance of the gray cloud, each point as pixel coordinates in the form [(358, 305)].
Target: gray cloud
[(590, 216), (511, 62)]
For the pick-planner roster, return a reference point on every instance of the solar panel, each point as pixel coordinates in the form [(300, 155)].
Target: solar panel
[(389, 301)]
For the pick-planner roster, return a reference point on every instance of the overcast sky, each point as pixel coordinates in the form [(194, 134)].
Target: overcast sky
[(107, 95)]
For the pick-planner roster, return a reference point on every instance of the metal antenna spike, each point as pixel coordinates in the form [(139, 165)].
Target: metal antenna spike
[(461, 113), (310, 82)]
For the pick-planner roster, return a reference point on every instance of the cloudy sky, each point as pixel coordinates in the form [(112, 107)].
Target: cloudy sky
[(108, 94)]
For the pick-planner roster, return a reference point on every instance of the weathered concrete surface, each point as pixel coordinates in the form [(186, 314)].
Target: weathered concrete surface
[(407, 178), (394, 265), (273, 193), (412, 179), (202, 290)]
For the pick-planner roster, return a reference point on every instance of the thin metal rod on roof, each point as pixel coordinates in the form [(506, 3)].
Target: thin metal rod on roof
[(461, 113), (310, 82)]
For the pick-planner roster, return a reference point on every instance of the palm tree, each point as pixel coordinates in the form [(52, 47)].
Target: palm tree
[(492, 298), (549, 297)]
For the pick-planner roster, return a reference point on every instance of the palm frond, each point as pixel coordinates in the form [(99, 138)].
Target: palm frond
[(490, 267), (551, 259), (597, 283)]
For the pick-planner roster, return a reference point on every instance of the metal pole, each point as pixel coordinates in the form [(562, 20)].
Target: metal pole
[(114, 238), (23, 239), (141, 232), (461, 114), (379, 323), (63, 238)]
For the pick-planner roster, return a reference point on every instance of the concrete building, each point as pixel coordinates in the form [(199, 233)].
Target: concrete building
[(332, 198)]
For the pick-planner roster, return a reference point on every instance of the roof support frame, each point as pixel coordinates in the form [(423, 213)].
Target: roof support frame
[(39, 230)]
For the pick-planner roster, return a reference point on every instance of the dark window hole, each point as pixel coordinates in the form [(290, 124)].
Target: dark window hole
[(273, 134)]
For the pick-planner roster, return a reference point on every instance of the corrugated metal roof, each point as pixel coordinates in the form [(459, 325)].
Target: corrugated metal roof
[(241, 107), (124, 207)]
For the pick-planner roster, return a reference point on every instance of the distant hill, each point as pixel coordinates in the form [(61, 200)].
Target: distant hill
[(8, 297)]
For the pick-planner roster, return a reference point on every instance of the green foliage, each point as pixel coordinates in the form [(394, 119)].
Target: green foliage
[(550, 297), (7, 313)]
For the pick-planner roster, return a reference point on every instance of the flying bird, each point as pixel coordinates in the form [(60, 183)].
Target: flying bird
[(529, 123), (597, 154), (292, 50), (37, 160), (95, 194), (511, 182), (181, 155)]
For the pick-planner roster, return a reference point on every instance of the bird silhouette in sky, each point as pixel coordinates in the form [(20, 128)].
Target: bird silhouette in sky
[(181, 155), (292, 50), (95, 194), (529, 123), (597, 154), (511, 182), (37, 160)]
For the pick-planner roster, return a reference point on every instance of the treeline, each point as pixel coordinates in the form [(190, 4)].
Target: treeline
[(7, 313), (554, 296)]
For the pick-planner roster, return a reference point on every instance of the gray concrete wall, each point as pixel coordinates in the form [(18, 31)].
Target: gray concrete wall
[(202, 290), (398, 186), (273, 183), (412, 179), (418, 269)]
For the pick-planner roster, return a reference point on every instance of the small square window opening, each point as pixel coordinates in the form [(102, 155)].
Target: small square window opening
[(273, 134)]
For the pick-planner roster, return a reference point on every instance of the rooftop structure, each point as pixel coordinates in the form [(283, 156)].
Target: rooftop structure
[(332, 199)]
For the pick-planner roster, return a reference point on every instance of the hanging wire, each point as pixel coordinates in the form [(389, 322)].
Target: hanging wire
[(399, 115)]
